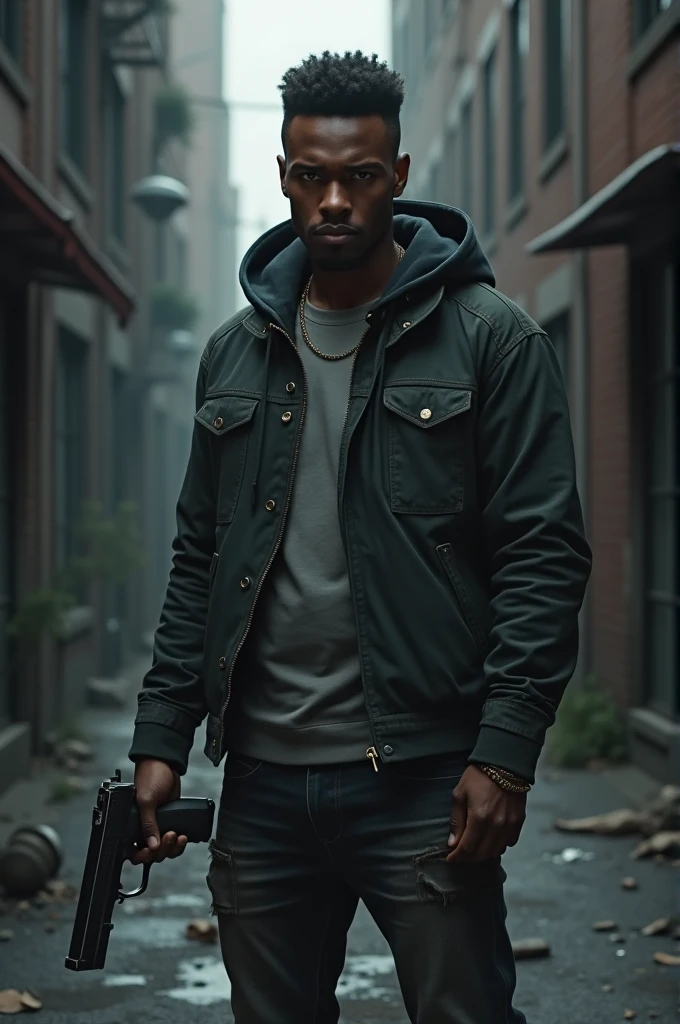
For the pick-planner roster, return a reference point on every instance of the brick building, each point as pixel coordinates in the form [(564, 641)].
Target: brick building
[(554, 124), (96, 399)]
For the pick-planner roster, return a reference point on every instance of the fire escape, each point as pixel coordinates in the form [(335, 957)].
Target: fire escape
[(134, 31)]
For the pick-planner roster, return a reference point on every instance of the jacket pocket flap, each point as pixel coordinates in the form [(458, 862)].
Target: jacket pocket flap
[(221, 415), (426, 406)]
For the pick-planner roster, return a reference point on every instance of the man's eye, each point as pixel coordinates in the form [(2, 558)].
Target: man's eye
[(309, 175), (364, 175)]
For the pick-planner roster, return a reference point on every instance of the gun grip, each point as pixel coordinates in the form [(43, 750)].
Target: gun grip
[(188, 817)]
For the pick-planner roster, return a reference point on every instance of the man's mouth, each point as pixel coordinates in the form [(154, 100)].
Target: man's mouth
[(333, 234)]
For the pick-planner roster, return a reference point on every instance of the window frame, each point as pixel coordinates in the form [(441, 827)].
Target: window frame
[(554, 70), (71, 415), (73, 78), (518, 14), (491, 98), (11, 25), (466, 155)]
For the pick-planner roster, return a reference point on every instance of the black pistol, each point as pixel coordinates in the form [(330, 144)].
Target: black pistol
[(116, 826)]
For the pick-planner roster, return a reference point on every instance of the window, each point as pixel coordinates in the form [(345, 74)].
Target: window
[(5, 524), (116, 184), (72, 62), (519, 48), (489, 156), (662, 490), (10, 26), (644, 13), (466, 158), (555, 37), (70, 441)]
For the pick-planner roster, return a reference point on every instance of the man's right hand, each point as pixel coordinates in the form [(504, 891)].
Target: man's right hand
[(156, 783)]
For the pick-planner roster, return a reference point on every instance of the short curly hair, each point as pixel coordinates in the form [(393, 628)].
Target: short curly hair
[(351, 85)]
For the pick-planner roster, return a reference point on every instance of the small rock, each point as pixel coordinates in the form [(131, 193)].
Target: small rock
[(629, 1014), (660, 842), (652, 1014), (50, 928), (667, 959), (617, 937), (628, 883), (202, 931), (6, 935), (604, 926), (607, 988), (658, 927), (30, 1001), (529, 948), (23, 905)]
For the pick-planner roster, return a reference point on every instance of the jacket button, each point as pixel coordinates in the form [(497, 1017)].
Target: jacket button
[(219, 422), (271, 505), (425, 414), (388, 750), (245, 583), (223, 663), (406, 323), (287, 417), (290, 388)]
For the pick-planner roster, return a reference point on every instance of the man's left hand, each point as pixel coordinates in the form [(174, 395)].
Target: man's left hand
[(485, 819)]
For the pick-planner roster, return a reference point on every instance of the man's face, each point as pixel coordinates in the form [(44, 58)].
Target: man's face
[(341, 177)]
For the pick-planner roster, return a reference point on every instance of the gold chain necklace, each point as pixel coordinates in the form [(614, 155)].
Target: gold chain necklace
[(305, 333)]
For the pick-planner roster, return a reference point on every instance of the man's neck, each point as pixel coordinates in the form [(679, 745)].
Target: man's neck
[(349, 288)]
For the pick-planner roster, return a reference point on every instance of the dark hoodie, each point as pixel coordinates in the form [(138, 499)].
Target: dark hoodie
[(457, 502)]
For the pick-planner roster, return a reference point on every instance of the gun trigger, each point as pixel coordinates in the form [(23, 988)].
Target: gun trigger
[(136, 892)]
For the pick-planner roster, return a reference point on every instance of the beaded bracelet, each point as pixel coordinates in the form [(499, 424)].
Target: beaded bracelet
[(507, 781)]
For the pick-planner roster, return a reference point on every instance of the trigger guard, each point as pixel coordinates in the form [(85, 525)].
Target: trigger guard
[(146, 870)]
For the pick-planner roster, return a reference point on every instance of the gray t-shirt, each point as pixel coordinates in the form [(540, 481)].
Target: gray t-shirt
[(301, 699)]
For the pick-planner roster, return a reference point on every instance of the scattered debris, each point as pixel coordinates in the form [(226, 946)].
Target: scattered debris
[(628, 883), (13, 1001), (652, 1014), (617, 937), (629, 1014), (202, 931), (667, 959), (6, 935), (658, 927), (79, 750), (570, 854), (64, 788), (620, 952), (607, 988), (526, 949), (660, 842), (604, 926), (59, 891), (662, 815)]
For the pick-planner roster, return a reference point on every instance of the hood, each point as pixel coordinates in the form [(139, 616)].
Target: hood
[(441, 249)]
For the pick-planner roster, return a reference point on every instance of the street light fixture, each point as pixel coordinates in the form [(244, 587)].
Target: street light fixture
[(159, 196)]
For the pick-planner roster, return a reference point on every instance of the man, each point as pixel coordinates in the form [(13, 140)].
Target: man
[(378, 569)]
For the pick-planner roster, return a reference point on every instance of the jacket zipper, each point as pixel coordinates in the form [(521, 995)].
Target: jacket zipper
[(280, 536), (371, 753)]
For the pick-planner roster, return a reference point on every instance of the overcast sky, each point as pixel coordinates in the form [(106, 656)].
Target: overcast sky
[(264, 39)]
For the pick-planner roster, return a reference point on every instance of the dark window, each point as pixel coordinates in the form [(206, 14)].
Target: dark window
[(556, 29), (70, 442), (10, 26), (116, 184), (644, 13), (489, 155), (662, 490), (466, 154), (72, 61), (5, 523), (519, 48)]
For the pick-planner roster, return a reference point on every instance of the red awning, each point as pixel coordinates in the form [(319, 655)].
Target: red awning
[(40, 241)]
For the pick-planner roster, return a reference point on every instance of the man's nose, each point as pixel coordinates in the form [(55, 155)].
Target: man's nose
[(335, 202)]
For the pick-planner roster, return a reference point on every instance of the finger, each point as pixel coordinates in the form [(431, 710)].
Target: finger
[(180, 846), (458, 818), (469, 841), (147, 815)]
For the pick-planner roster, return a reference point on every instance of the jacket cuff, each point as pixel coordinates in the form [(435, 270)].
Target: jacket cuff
[(161, 743), (503, 749)]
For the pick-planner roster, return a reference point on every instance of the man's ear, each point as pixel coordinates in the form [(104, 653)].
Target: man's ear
[(281, 160), (401, 169)]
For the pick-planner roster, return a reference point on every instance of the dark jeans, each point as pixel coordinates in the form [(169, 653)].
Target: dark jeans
[(295, 850)]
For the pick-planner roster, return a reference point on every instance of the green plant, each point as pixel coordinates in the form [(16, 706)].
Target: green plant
[(174, 116), (172, 309), (42, 611), (72, 729), (63, 789), (589, 726)]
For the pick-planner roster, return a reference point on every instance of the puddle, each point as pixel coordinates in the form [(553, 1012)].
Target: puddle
[(359, 980), (123, 980), (203, 982)]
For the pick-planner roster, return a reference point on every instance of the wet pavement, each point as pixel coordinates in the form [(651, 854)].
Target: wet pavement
[(154, 973)]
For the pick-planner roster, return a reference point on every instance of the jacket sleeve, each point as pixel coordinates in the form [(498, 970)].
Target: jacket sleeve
[(539, 558), (171, 703)]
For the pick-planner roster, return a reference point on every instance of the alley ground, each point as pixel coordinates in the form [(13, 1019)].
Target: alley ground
[(154, 973)]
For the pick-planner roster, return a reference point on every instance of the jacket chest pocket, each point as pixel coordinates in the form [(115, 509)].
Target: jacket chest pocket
[(427, 431), (229, 420)]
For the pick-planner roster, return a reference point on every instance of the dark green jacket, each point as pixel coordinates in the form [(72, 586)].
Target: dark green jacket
[(456, 495)]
